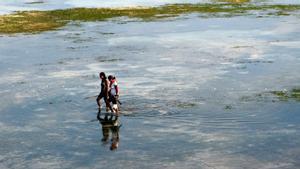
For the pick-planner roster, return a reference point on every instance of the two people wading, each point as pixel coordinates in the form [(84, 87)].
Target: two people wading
[(109, 122), (109, 92)]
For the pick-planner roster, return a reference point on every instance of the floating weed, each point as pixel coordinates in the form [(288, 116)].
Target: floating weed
[(287, 95), (233, 1), (39, 21), (228, 107), (82, 40), (28, 22), (186, 105), (61, 62), (251, 61), (107, 33), (246, 98), (181, 104), (282, 95), (77, 47), (101, 59), (295, 94)]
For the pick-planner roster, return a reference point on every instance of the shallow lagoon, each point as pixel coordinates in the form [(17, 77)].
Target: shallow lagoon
[(196, 93)]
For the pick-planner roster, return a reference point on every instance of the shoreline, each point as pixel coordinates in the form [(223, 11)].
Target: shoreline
[(40, 21)]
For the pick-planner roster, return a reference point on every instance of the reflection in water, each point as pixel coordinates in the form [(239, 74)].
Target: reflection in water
[(110, 124)]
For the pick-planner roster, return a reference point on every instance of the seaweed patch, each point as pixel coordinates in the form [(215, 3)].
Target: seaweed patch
[(39, 21)]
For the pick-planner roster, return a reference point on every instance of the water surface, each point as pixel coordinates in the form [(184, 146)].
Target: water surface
[(195, 93)]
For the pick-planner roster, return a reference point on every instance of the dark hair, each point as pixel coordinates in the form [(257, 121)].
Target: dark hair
[(110, 77), (102, 74)]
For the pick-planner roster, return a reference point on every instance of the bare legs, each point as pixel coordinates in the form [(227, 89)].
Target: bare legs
[(108, 106)]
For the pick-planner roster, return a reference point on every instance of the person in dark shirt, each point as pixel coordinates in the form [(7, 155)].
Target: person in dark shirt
[(104, 92)]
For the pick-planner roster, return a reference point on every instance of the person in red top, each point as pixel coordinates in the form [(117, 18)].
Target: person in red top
[(113, 92)]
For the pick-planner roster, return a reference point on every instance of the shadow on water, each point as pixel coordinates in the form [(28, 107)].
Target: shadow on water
[(110, 124)]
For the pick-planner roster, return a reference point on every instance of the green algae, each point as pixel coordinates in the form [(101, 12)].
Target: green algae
[(293, 94), (186, 105), (274, 96), (29, 22), (39, 21), (281, 95), (233, 1), (228, 107), (182, 104), (109, 60)]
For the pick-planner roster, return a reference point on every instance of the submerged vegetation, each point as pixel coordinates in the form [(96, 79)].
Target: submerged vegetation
[(287, 95), (276, 95), (233, 1), (38, 21)]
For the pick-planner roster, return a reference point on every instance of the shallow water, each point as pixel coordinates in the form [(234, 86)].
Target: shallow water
[(192, 91)]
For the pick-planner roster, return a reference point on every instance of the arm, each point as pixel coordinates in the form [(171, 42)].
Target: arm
[(117, 89), (107, 87)]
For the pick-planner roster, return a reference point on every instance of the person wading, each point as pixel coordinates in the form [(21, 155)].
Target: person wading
[(113, 93), (104, 92)]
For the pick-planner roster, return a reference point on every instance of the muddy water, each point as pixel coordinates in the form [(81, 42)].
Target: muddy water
[(191, 90)]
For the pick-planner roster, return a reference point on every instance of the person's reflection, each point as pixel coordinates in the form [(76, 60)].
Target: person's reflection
[(110, 123)]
